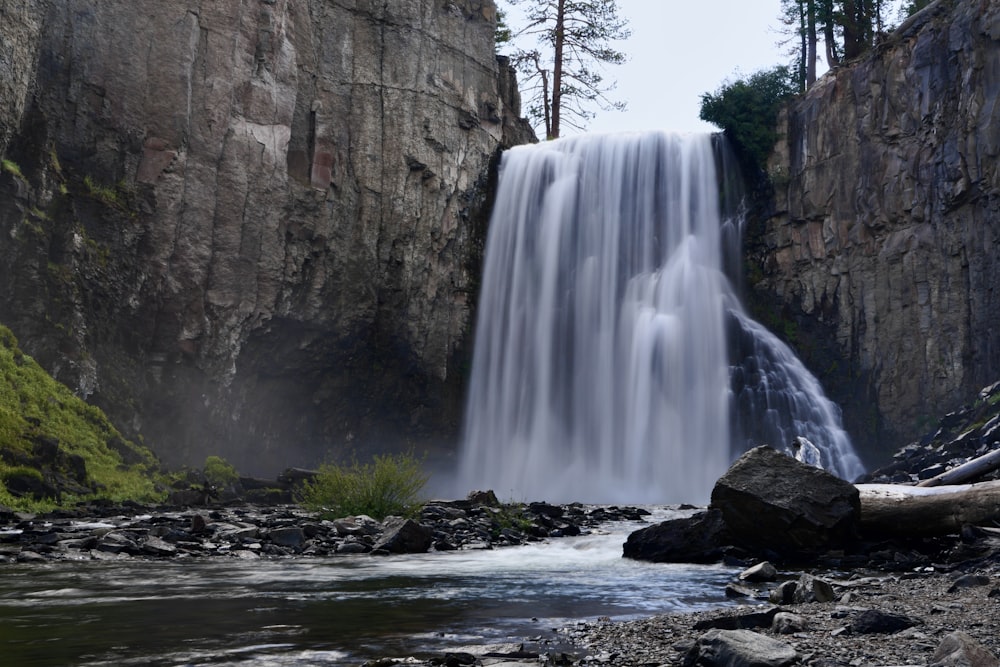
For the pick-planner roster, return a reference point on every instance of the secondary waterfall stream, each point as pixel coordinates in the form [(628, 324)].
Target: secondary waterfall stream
[(613, 360)]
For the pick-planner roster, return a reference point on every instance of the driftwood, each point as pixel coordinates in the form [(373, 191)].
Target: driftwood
[(893, 510), (968, 471)]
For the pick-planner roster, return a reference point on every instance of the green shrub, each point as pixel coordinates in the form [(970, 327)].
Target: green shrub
[(747, 111), (219, 472), (390, 485)]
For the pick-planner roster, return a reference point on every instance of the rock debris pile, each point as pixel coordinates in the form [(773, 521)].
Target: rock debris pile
[(106, 532)]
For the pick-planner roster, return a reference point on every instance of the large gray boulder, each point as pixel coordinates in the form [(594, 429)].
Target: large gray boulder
[(772, 502), (739, 648)]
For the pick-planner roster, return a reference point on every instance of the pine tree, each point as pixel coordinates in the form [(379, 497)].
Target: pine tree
[(562, 78)]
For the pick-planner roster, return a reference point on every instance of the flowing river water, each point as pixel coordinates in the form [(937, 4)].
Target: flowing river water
[(332, 611)]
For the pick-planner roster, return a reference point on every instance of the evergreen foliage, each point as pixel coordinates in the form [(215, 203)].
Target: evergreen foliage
[(389, 486), (561, 77), (746, 110)]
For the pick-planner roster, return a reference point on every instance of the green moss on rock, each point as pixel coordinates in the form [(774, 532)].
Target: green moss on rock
[(76, 451)]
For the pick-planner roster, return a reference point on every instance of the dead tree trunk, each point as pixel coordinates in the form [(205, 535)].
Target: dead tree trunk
[(893, 510), (966, 472)]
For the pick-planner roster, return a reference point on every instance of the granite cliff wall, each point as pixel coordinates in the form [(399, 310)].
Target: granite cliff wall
[(251, 227), (882, 251)]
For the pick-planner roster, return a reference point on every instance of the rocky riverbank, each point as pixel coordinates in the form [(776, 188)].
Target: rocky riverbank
[(874, 618), (103, 531)]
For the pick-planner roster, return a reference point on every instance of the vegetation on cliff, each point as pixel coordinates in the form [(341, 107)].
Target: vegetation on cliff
[(55, 448), (747, 111)]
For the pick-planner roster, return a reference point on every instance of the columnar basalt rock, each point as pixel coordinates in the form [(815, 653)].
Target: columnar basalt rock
[(253, 228), (887, 218)]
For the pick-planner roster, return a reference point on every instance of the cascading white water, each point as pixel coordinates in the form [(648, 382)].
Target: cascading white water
[(601, 370)]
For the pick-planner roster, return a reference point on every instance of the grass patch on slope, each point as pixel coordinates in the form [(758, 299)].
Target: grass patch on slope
[(39, 413)]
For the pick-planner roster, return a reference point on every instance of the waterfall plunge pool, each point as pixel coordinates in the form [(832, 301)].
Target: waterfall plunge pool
[(333, 611)]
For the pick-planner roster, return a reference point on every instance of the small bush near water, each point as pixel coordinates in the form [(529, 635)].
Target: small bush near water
[(389, 486)]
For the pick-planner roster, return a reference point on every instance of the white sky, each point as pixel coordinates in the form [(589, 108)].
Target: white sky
[(680, 49)]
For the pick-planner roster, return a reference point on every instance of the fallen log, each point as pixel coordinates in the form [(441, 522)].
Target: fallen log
[(895, 510), (966, 472)]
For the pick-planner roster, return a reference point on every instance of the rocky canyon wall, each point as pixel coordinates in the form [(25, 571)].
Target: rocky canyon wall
[(251, 227), (884, 241)]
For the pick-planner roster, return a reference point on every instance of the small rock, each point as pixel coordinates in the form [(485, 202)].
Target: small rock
[(290, 536), (875, 621), (783, 593), (762, 571), (969, 581), (786, 623), (813, 589)]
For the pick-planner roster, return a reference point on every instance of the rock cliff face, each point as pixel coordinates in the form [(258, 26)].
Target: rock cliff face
[(251, 228), (886, 228)]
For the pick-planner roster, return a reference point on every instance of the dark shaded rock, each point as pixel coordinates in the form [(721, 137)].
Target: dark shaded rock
[(735, 591), (487, 498), (27, 484), (772, 502), (752, 619), (875, 621), (290, 536), (958, 649), (969, 581), (404, 536), (739, 648), (696, 539), (784, 593)]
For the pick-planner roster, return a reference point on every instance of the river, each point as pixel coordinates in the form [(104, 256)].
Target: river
[(331, 611)]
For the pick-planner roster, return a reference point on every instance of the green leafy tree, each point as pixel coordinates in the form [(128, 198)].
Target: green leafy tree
[(561, 76), (746, 110)]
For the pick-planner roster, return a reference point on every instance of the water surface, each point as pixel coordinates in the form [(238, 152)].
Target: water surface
[(330, 611)]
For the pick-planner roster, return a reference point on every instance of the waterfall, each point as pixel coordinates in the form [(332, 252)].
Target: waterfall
[(601, 370)]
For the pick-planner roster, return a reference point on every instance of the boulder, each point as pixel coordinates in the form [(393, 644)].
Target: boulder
[(762, 571), (771, 502), (696, 539), (739, 648), (287, 536), (786, 623), (813, 589), (960, 650), (875, 621), (404, 536)]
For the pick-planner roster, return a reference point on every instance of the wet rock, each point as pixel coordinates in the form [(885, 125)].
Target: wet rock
[(875, 621), (404, 536), (291, 536), (700, 538), (958, 649), (760, 572), (771, 502), (739, 648)]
